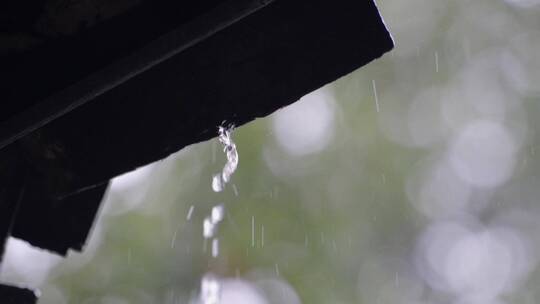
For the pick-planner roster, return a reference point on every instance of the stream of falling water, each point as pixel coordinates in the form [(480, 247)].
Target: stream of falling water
[(210, 285)]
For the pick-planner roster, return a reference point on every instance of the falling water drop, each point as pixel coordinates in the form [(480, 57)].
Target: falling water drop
[(210, 285), (253, 231), (190, 213), (210, 289), (173, 240), (229, 147), (217, 214), (217, 183), (208, 228), (375, 95), (215, 248), (211, 222), (436, 62), (262, 236)]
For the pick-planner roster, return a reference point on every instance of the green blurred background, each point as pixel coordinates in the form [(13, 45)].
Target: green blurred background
[(412, 180)]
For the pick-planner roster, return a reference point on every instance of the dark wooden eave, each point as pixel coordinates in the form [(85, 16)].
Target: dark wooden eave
[(82, 108), (17, 295)]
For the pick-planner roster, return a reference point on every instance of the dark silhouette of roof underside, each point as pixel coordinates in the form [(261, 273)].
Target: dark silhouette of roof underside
[(90, 97)]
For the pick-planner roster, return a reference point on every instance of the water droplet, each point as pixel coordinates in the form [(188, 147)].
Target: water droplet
[(217, 214), (253, 231), (190, 213), (173, 240), (220, 180), (217, 183), (436, 62), (208, 228), (262, 236), (210, 285), (375, 95), (215, 248), (210, 289)]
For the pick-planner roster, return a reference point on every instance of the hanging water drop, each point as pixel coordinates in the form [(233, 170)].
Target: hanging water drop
[(229, 147), (210, 285)]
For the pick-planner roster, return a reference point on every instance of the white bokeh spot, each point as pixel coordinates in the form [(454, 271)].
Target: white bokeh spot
[(483, 154), (306, 126)]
